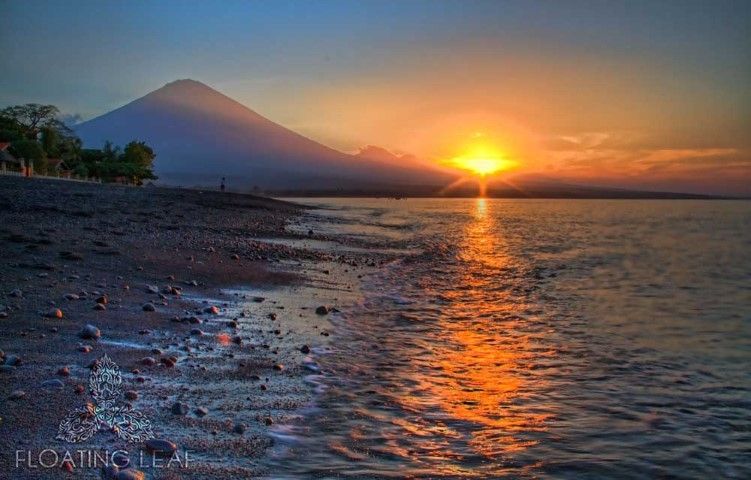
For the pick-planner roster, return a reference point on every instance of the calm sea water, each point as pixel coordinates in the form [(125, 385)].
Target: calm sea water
[(539, 339)]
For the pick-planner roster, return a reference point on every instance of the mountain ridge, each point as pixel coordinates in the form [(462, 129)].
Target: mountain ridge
[(200, 134)]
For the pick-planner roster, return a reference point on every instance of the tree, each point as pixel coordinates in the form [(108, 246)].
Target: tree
[(30, 150), (70, 147), (32, 117), (93, 160), (27, 149), (138, 159), (111, 152), (81, 170), (50, 140), (10, 130)]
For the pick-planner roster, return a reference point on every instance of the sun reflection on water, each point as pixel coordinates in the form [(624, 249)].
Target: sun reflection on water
[(483, 353)]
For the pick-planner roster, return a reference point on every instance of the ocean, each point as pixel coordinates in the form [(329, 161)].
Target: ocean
[(537, 339)]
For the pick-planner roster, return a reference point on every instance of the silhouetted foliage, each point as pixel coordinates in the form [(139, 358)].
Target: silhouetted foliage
[(134, 164), (32, 117), (28, 149), (36, 133)]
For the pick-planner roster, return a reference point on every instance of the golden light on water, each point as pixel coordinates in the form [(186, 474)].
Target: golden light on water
[(480, 373)]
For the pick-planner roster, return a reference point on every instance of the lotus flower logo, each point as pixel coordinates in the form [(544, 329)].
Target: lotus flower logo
[(104, 412)]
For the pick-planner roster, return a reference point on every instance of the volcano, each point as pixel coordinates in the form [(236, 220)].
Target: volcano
[(200, 135)]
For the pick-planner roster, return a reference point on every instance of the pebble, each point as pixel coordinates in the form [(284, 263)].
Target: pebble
[(235, 256), (131, 395), (148, 307), (152, 289), (279, 367), (13, 360), (322, 310), (78, 389), (63, 371), (180, 408), (16, 293), (196, 331), (305, 349), (17, 395), (173, 290), (71, 296), (85, 349), (201, 411), (212, 310), (100, 307), (54, 383), (268, 421), (90, 332), (102, 300), (131, 474), (239, 428), (169, 362), (54, 313), (148, 361), (160, 446)]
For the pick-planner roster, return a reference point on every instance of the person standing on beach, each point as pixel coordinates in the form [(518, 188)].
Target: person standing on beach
[(221, 187)]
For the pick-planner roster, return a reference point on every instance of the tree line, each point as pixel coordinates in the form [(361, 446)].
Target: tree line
[(35, 133)]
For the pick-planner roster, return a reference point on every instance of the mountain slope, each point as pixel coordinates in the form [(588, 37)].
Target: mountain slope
[(200, 135)]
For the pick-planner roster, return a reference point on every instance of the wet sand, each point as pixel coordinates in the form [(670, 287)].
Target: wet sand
[(231, 339)]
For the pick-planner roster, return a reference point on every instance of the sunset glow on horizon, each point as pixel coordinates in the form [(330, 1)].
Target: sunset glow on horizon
[(482, 159), (646, 95)]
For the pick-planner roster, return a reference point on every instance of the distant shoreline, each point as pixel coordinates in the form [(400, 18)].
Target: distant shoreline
[(634, 196)]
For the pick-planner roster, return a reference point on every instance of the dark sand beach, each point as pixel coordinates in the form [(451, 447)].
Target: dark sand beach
[(213, 367)]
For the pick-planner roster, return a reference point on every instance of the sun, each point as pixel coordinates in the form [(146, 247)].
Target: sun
[(482, 159), (483, 166)]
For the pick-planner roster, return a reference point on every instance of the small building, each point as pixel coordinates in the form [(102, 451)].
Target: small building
[(58, 167)]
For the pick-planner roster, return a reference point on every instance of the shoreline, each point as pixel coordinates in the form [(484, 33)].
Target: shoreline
[(219, 363)]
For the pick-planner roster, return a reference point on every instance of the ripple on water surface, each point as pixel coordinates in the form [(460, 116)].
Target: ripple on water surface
[(556, 339)]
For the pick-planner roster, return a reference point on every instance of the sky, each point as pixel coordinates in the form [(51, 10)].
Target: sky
[(637, 94)]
